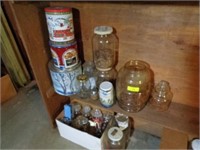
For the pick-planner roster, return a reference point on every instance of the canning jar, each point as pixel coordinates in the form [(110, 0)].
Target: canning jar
[(83, 86), (161, 96), (104, 45), (133, 85), (115, 139)]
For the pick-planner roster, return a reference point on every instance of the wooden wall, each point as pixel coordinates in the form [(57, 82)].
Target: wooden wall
[(166, 35)]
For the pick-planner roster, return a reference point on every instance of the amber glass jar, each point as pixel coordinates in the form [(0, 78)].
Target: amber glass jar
[(133, 85)]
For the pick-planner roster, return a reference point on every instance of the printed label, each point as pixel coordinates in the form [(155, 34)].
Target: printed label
[(60, 27), (106, 97), (70, 58), (55, 58), (133, 89), (64, 83)]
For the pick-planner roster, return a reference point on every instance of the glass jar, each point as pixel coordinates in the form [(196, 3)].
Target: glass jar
[(115, 139), (104, 45), (106, 94), (76, 110), (133, 85), (161, 96), (124, 124), (106, 75), (83, 86)]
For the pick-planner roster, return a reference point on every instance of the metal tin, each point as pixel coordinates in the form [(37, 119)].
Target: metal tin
[(64, 80), (65, 54), (60, 23)]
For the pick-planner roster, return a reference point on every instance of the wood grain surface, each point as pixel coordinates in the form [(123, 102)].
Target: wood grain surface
[(163, 34)]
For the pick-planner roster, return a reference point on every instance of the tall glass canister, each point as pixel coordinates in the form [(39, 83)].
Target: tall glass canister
[(104, 45)]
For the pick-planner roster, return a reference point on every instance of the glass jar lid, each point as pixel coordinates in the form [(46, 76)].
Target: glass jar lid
[(115, 134), (103, 30)]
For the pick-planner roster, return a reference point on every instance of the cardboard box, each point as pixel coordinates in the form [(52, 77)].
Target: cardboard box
[(80, 137)]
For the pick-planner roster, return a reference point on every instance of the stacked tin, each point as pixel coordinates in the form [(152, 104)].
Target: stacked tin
[(64, 65)]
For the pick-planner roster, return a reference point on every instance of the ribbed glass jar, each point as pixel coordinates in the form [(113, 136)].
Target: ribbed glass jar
[(133, 85)]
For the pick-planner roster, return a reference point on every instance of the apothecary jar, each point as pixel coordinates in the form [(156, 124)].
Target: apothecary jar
[(133, 85)]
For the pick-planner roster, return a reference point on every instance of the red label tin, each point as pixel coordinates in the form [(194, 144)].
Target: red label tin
[(65, 54)]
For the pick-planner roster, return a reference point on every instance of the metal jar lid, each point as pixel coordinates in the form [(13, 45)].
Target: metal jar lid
[(57, 9), (62, 44), (115, 134), (53, 68)]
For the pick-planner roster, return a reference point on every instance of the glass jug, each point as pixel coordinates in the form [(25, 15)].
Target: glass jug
[(133, 85)]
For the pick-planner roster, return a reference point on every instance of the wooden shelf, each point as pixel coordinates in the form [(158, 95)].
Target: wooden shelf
[(178, 117)]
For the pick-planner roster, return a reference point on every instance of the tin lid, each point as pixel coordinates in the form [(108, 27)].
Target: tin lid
[(103, 30), (82, 77), (115, 134), (58, 9), (106, 86), (62, 44)]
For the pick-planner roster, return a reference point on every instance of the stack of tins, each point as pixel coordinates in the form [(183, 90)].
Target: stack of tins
[(65, 65)]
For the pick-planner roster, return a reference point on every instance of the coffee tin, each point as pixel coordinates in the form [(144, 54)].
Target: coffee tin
[(60, 23), (64, 80), (65, 54)]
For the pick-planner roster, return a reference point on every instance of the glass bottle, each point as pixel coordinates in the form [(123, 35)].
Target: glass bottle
[(106, 75), (83, 86), (76, 110), (161, 96), (104, 45), (86, 111), (133, 85), (97, 118)]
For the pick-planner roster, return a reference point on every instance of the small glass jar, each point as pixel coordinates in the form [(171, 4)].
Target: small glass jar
[(106, 75), (161, 96), (133, 85), (81, 123), (104, 45), (106, 94), (83, 86), (115, 139), (76, 110), (124, 124), (86, 111)]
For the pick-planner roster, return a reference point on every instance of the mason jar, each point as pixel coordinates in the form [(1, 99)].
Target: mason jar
[(104, 45), (133, 85)]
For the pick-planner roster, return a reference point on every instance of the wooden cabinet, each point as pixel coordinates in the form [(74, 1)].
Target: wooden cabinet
[(164, 34)]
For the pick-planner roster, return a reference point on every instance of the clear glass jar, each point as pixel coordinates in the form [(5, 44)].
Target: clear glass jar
[(133, 85), (104, 45), (124, 123), (115, 139), (161, 96), (83, 86), (106, 75)]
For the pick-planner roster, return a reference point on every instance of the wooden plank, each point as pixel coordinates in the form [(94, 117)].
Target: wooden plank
[(172, 139), (179, 117), (11, 55), (7, 88), (166, 35)]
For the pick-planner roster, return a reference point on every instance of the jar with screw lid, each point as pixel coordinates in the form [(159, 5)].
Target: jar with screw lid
[(83, 86), (104, 44)]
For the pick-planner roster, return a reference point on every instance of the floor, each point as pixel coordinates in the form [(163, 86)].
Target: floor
[(25, 125)]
